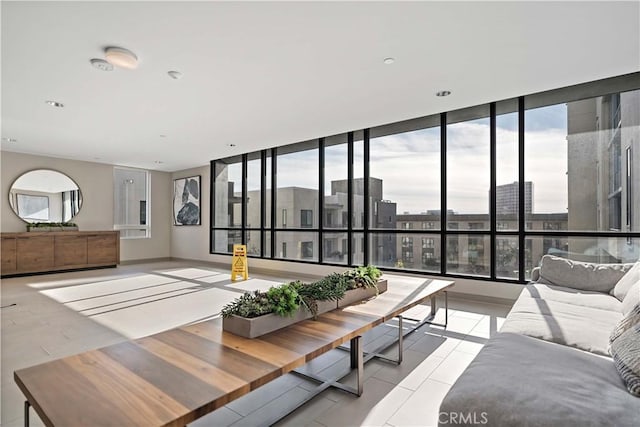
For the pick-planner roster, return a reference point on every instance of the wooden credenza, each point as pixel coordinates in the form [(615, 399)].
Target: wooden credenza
[(38, 252)]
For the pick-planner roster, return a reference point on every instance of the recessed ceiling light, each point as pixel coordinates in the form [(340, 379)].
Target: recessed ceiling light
[(10, 140), (443, 93), (101, 64), (389, 60), (176, 75), (55, 104), (121, 57)]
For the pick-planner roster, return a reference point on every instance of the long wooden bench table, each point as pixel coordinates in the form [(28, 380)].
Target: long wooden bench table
[(174, 377)]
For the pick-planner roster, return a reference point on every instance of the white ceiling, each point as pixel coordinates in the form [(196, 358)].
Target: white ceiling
[(265, 74)]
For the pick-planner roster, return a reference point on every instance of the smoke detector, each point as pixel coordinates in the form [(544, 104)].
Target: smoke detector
[(101, 64)]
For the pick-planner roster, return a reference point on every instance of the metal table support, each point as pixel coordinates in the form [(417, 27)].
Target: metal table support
[(377, 353), (356, 363), (27, 405)]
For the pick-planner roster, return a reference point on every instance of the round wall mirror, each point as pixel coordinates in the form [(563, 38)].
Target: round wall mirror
[(45, 195)]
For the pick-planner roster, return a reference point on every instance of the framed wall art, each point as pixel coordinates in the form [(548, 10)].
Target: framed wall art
[(186, 201)]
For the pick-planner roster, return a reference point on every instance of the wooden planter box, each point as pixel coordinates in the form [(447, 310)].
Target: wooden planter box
[(256, 326), (353, 296)]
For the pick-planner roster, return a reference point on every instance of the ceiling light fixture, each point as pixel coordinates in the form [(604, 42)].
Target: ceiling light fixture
[(175, 75), (389, 60), (443, 93), (55, 104), (121, 57), (101, 64)]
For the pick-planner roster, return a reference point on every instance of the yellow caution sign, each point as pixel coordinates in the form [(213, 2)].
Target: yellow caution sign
[(239, 262)]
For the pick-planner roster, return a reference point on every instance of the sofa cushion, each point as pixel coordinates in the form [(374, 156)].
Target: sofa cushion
[(586, 328), (631, 319), (625, 283), (522, 381), (626, 356), (631, 299), (580, 275), (573, 296)]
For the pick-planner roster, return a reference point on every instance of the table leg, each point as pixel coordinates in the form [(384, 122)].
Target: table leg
[(356, 343), (353, 354), (446, 308), (400, 338), (26, 413)]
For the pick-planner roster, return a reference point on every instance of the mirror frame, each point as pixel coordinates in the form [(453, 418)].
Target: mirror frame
[(13, 204)]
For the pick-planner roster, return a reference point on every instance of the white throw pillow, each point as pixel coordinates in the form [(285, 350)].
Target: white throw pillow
[(586, 276), (631, 277), (631, 299)]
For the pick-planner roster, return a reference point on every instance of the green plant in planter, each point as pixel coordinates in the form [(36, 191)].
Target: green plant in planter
[(363, 277), (281, 300), (249, 304), (284, 299), (329, 288)]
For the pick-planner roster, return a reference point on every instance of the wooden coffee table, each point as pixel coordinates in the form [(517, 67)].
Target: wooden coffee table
[(174, 377)]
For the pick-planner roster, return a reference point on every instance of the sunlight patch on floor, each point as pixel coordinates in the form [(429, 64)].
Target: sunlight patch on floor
[(187, 273), (145, 304), (147, 319), (105, 287)]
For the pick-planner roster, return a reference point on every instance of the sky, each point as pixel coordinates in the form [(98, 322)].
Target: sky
[(409, 164)]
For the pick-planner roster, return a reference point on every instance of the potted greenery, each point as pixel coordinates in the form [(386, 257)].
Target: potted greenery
[(52, 226), (323, 295), (363, 283), (258, 313)]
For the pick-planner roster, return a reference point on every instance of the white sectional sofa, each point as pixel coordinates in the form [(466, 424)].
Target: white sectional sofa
[(550, 364)]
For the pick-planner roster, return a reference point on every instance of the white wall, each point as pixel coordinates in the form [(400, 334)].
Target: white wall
[(96, 183)]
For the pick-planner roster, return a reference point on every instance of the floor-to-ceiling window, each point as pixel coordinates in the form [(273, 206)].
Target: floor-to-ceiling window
[(335, 199), (253, 202), (226, 217), (405, 188), (582, 197), (482, 192), (297, 202), (507, 191), (468, 190)]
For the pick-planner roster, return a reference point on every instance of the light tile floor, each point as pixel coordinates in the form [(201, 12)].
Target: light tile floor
[(51, 316)]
